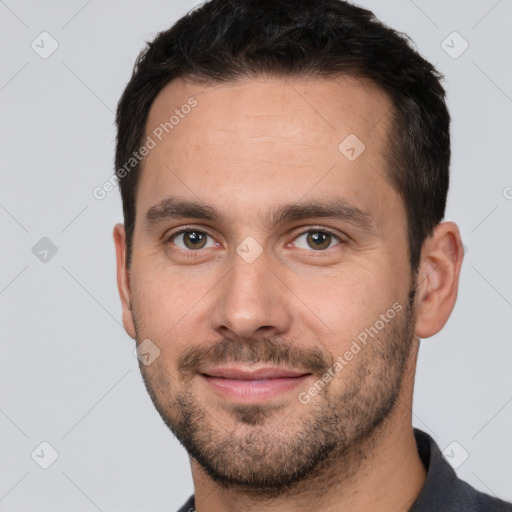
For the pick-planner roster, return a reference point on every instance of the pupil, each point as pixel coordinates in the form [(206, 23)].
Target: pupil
[(194, 238), (319, 238)]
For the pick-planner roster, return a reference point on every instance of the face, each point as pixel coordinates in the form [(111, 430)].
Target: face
[(270, 273)]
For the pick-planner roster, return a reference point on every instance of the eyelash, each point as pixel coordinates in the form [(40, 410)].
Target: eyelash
[(190, 252)]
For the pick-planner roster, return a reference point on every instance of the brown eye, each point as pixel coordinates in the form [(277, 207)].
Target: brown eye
[(317, 240), (190, 239)]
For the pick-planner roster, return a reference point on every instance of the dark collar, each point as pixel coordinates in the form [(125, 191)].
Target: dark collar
[(443, 490)]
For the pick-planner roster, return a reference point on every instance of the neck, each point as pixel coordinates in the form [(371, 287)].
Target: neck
[(383, 472)]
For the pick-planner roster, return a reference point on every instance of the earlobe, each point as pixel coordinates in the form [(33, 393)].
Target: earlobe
[(438, 279), (123, 279)]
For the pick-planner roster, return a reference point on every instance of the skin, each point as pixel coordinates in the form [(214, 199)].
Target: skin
[(246, 148)]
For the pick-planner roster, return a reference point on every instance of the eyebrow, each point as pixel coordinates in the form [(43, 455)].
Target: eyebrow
[(173, 208)]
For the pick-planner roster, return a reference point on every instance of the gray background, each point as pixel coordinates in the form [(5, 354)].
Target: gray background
[(67, 372)]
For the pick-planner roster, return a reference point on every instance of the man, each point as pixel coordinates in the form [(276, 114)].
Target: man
[(283, 167)]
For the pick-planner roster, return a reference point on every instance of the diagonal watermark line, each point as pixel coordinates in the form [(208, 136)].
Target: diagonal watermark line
[(87, 86), (315, 184), (12, 488), (92, 296), (13, 13), (424, 13), (87, 413), (13, 279), (492, 211), (486, 14), (494, 288), (76, 14), (13, 218), (386, 113), (183, 183), (316, 110), (17, 426), (81, 491), (192, 398), (424, 423), (384, 177), (325, 325), (74, 218), (492, 81), (13, 76), (202, 500), (483, 483), (407, 505), (501, 409)]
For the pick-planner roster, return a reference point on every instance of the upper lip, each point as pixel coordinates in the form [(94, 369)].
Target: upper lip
[(231, 372)]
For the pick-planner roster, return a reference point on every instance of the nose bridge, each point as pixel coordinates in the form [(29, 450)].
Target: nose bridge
[(248, 291), (251, 296)]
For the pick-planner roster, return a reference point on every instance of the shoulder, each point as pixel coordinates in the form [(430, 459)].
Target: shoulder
[(443, 490)]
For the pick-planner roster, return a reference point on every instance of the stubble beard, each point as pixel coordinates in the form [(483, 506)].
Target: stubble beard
[(262, 457)]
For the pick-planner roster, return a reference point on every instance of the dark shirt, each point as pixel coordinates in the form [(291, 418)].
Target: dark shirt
[(442, 491)]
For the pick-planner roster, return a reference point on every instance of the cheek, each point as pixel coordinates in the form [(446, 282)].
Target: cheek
[(343, 303), (161, 301), (172, 307)]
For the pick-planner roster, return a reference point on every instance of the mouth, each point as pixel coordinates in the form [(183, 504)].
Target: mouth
[(249, 385)]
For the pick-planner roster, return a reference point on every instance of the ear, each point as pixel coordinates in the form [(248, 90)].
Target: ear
[(438, 278), (123, 279)]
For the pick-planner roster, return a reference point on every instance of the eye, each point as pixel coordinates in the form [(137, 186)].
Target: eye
[(191, 239), (318, 240)]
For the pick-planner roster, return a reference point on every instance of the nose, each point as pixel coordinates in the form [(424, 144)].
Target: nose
[(252, 301)]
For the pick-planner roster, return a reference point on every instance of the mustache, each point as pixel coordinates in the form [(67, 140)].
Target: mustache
[(264, 350)]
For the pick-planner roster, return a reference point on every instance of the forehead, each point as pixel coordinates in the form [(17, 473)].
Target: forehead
[(307, 108), (266, 140)]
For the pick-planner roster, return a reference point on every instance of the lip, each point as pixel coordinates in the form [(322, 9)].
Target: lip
[(248, 385), (238, 373)]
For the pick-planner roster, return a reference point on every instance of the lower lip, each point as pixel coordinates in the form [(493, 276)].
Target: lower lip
[(253, 391)]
